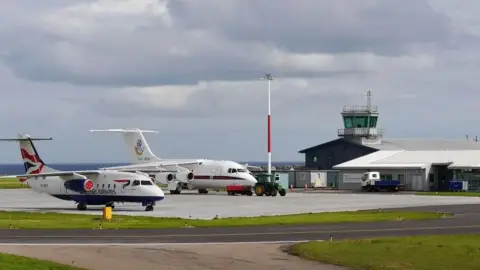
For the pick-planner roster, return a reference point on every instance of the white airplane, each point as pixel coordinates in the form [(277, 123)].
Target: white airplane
[(201, 174), (89, 187)]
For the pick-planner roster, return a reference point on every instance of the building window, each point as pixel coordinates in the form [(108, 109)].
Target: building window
[(386, 177), (373, 121), (360, 122), (348, 122)]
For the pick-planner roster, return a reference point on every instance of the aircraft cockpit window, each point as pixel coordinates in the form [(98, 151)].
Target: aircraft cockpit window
[(233, 170), (146, 183), (241, 170), (136, 183)]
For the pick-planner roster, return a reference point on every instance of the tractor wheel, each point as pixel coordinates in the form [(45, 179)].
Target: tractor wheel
[(274, 193), (282, 192), (259, 190)]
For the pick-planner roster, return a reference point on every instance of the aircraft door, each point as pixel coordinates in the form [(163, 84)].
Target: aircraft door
[(234, 177)]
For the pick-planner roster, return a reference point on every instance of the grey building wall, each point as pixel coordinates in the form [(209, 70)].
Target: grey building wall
[(324, 157)]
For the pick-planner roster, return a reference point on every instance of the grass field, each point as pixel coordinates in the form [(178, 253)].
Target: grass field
[(13, 262), (446, 193), (10, 183), (422, 252), (25, 220)]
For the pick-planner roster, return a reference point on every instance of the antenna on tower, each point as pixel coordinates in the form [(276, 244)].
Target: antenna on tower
[(369, 100)]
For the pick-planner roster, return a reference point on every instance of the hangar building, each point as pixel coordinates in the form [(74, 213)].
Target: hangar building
[(420, 164)]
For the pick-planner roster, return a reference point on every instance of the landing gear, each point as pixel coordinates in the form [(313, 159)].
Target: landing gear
[(149, 205), (177, 190), (81, 206), (202, 191), (110, 205)]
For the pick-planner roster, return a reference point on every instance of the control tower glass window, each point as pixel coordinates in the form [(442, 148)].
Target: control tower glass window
[(373, 121), (360, 122), (348, 122)]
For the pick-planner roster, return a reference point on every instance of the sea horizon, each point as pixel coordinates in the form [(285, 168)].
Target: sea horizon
[(18, 167)]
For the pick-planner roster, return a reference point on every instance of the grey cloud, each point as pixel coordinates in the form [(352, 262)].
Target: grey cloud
[(385, 27), (224, 40)]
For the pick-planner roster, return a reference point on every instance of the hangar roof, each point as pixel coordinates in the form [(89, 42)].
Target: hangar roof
[(426, 144), (455, 159), (412, 144)]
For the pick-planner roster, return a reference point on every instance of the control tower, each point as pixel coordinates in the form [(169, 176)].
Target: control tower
[(360, 123)]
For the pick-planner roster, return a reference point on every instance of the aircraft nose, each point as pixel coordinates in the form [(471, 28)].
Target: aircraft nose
[(160, 192), (252, 180)]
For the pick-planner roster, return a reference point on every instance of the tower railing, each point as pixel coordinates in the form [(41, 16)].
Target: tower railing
[(353, 109), (361, 132)]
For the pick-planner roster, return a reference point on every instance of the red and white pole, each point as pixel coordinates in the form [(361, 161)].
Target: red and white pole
[(269, 130), (269, 78)]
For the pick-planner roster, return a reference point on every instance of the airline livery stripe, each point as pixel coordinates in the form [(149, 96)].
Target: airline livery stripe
[(121, 181), (219, 177)]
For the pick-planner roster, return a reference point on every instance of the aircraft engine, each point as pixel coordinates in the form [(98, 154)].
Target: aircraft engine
[(164, 177), (79, 185), (184, 177)]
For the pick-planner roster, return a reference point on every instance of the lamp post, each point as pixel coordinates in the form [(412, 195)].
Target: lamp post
[(269, 79)]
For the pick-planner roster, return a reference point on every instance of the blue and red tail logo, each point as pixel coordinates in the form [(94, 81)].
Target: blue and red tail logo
[(31, 161)]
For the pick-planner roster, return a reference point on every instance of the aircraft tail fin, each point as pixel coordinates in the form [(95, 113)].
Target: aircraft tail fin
[(135, 143), (31, 159)]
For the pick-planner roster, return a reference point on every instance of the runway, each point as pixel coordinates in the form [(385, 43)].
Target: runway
[(194, 205), (466, 219)]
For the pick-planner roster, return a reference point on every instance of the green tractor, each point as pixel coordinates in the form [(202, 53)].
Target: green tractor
[(268, 188)]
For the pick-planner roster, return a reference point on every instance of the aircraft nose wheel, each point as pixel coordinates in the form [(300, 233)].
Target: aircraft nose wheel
[(149, 208), (81, 206)]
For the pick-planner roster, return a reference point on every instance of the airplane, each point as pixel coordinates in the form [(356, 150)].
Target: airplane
[(87, 187), (201, 174)]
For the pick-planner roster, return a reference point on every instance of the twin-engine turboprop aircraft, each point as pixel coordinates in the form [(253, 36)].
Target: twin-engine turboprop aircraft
[(89, 187)]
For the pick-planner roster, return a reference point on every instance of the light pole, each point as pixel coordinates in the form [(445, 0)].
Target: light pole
[(269, 79)]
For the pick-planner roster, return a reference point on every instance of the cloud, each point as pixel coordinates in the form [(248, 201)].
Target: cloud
[(149, 43), (191, 69)]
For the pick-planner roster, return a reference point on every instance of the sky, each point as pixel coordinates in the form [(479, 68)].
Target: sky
[(191, 70)]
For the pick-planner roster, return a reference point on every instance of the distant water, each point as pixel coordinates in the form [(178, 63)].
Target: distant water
[(17, 168)]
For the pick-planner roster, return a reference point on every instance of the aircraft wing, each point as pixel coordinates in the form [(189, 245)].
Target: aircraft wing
[(76, 174), (154, 166)]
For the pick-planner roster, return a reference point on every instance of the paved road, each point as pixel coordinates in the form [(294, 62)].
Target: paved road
[(466, 220)]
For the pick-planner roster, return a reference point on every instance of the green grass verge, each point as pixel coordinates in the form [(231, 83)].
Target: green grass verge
[(14, 262), (422, 252), (37, 220), (11, 183), (446, 193)]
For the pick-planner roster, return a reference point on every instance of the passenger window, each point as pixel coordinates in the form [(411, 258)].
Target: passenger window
[(98, 185), (136, 183), (114, 185), (103, 185), (147, 183), (108, 185)]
